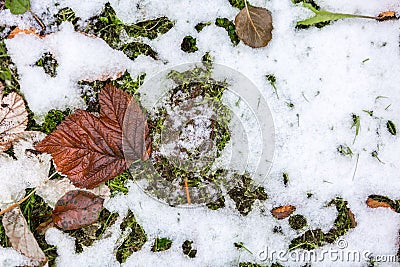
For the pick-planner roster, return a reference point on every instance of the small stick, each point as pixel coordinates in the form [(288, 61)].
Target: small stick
[(187, 191), (38, 20), (25, 198)]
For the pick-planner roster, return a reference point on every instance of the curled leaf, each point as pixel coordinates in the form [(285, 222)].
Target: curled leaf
[(283, 211), (17, 31), (387, 15), (13, 120), (373, 203), (76, 209), (21, 238), (254, 26)]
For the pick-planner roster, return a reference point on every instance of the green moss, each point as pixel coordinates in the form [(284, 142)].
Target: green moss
[(238, 3), (118, 184), (134, 241), (217, 204), (244, 194), (188, 249), (108, 27), (53, 118), (3, 237), (8, 72), (297, 221), (229, 26), (250, 264), (66, 14), (200, 26), (188, 44), (161, 244), (312, 239)]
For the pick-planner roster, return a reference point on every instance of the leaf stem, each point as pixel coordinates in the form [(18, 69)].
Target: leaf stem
[(187, 191)]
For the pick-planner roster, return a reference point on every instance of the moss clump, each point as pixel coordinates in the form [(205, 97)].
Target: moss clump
[(134, 241), (229, 26), (108, 27), (188, 249), (188, 44), (161, 244), (238, 3), (118, 184), (312, 239), (3, 237), (8, 72), (297, 222), (250, 264), (66, 14), (244, 194), (200, 26), (217, 204), (53, 118)]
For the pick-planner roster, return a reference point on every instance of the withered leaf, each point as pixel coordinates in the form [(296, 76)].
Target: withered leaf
[(254, 26), (77, 208), (353, 222), (17, 31), (283, 212), (21, 238), (89, 149), (387, 15), (373, 203), (13, 119)]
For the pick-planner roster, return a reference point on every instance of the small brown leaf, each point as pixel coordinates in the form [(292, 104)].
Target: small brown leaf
[(372, 203), (76, 209), (21, 238), (387, 15), (89, 149), (17, 31), (13, 119), (283, 211), (353, 222), (254, 26)]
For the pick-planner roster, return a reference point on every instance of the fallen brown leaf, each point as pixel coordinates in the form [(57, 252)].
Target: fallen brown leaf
[(283, 211), (254, 26), (372, 203), (21, 238), (353, 222), (13, 119), (23, 31), (89, 149), (76, 209)]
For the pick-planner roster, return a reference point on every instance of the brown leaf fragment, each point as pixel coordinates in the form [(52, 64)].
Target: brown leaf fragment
[(21, 238), (283, 211), (17, 31), (254, 26), (13, 120), (353, 222), (77, 208), (387, 15), (89, 149), (372, 203)]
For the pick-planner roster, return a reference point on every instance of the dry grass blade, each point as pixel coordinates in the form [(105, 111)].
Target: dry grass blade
[(21, 238), (254, 26)]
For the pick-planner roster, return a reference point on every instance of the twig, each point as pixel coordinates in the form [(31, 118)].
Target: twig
[(38, 20), (187, 191), (25, 198)]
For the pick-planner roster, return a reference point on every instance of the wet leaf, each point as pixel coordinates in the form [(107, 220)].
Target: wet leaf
[(21, 238), (89, 149), (18, 6), (13, 120), (17, 31), (76, 209), (391, 127), (283, 211), (254, 26)]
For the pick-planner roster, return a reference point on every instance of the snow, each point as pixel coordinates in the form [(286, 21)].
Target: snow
[(323, 72)]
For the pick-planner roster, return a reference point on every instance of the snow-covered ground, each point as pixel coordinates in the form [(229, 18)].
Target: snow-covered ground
[(328, 74)]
